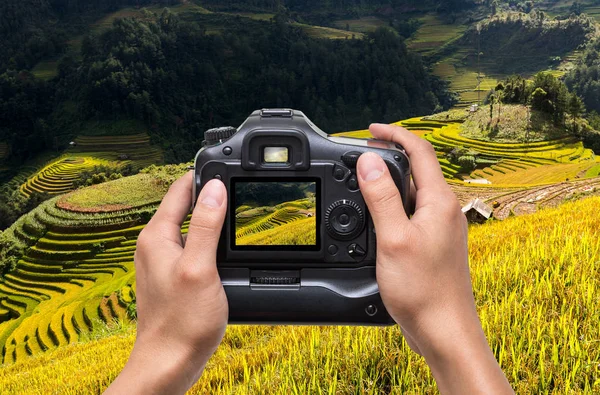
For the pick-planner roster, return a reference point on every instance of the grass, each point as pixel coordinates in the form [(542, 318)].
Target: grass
[(77, 267), (122, 194), (536, 290), (593, 171)]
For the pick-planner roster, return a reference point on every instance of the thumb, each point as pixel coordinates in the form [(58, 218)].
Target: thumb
[(381, 195), (206, 224)]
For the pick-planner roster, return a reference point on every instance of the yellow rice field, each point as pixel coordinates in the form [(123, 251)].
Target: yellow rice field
[(537, 289)]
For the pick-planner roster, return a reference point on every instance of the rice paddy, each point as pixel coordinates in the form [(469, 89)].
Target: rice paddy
[(77, 269), (536, 290), (434, 33), (504, 164), (364, 24), (58, 176)]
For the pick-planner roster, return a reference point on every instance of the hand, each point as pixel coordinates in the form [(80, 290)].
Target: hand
[(423, 270), (182, 309)]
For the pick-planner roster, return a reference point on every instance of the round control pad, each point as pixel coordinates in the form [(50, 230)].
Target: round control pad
[(344, 219)]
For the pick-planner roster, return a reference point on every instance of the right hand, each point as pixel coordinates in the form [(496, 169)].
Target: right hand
[(422, 264)]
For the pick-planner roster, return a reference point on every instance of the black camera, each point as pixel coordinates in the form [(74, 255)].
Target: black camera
[(298, 244)]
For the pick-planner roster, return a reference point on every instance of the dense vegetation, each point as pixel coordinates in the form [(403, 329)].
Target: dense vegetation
[(169, 73), (584, 78), (271, 193), (515, 42), (550, 96)]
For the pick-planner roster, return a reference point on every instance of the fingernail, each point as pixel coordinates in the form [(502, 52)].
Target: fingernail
[(370, 166), (213, 194)]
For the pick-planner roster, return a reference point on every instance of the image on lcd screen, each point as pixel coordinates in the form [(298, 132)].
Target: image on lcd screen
[(275, 213)]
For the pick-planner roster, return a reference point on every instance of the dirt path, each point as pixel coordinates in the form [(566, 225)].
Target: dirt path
[(520, 201)]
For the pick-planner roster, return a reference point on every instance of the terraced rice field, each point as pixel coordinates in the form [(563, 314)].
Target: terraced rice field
[(433, 34), (135, 148), (364, 24), (529, 164), (537, 294), (113, 151), (77, 274), (58, 176)]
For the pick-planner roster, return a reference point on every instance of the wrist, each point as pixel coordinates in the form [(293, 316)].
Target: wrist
[(159, 370), (460, 358)]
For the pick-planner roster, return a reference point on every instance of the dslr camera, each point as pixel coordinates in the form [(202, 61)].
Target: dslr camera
[(298, 245)]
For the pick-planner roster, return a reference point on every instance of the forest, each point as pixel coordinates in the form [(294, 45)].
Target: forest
[(169, 73)]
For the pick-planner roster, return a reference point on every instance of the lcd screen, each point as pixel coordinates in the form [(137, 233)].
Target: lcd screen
[(276, 213)]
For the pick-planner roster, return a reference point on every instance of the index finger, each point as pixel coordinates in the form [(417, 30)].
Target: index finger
[(426, 171), (172, 212)]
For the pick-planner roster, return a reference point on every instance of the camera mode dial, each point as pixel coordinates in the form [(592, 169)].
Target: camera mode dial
[(217, 135), (344, 219)]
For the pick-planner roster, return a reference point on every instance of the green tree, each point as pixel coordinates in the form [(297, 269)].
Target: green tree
[(500, 96), (576, 106)]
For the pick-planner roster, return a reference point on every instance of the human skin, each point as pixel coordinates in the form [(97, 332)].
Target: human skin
[(422, 272), (423, 268), (182, 308)]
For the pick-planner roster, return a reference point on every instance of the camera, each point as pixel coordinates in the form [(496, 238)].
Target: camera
[(298, 245)]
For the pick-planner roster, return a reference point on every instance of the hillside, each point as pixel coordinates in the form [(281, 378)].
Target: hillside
[(73, 258), (103, 94), (537, 296), (502, 164)]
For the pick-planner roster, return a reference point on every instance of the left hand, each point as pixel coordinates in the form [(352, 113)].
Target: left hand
[(181, 305)]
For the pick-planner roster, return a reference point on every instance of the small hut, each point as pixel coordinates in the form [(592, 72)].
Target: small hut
[(477, 211)]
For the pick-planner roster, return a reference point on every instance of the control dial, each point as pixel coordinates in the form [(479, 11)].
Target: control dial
[(344, 219), (217, 135)]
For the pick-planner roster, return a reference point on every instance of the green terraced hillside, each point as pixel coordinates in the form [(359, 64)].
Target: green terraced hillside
[(58, 176), (76, 273), (135, 148), (90, 151), (291, 223), (502, 163)]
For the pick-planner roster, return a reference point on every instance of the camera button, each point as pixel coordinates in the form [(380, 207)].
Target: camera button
[(340, 173), (351, 158), (344, 219), (227, 150), (218, 176), (356, 251), (371, 310), (353, 183), (332, 249)]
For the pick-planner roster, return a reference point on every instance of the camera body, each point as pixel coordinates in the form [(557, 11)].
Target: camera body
[(298, 245)]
